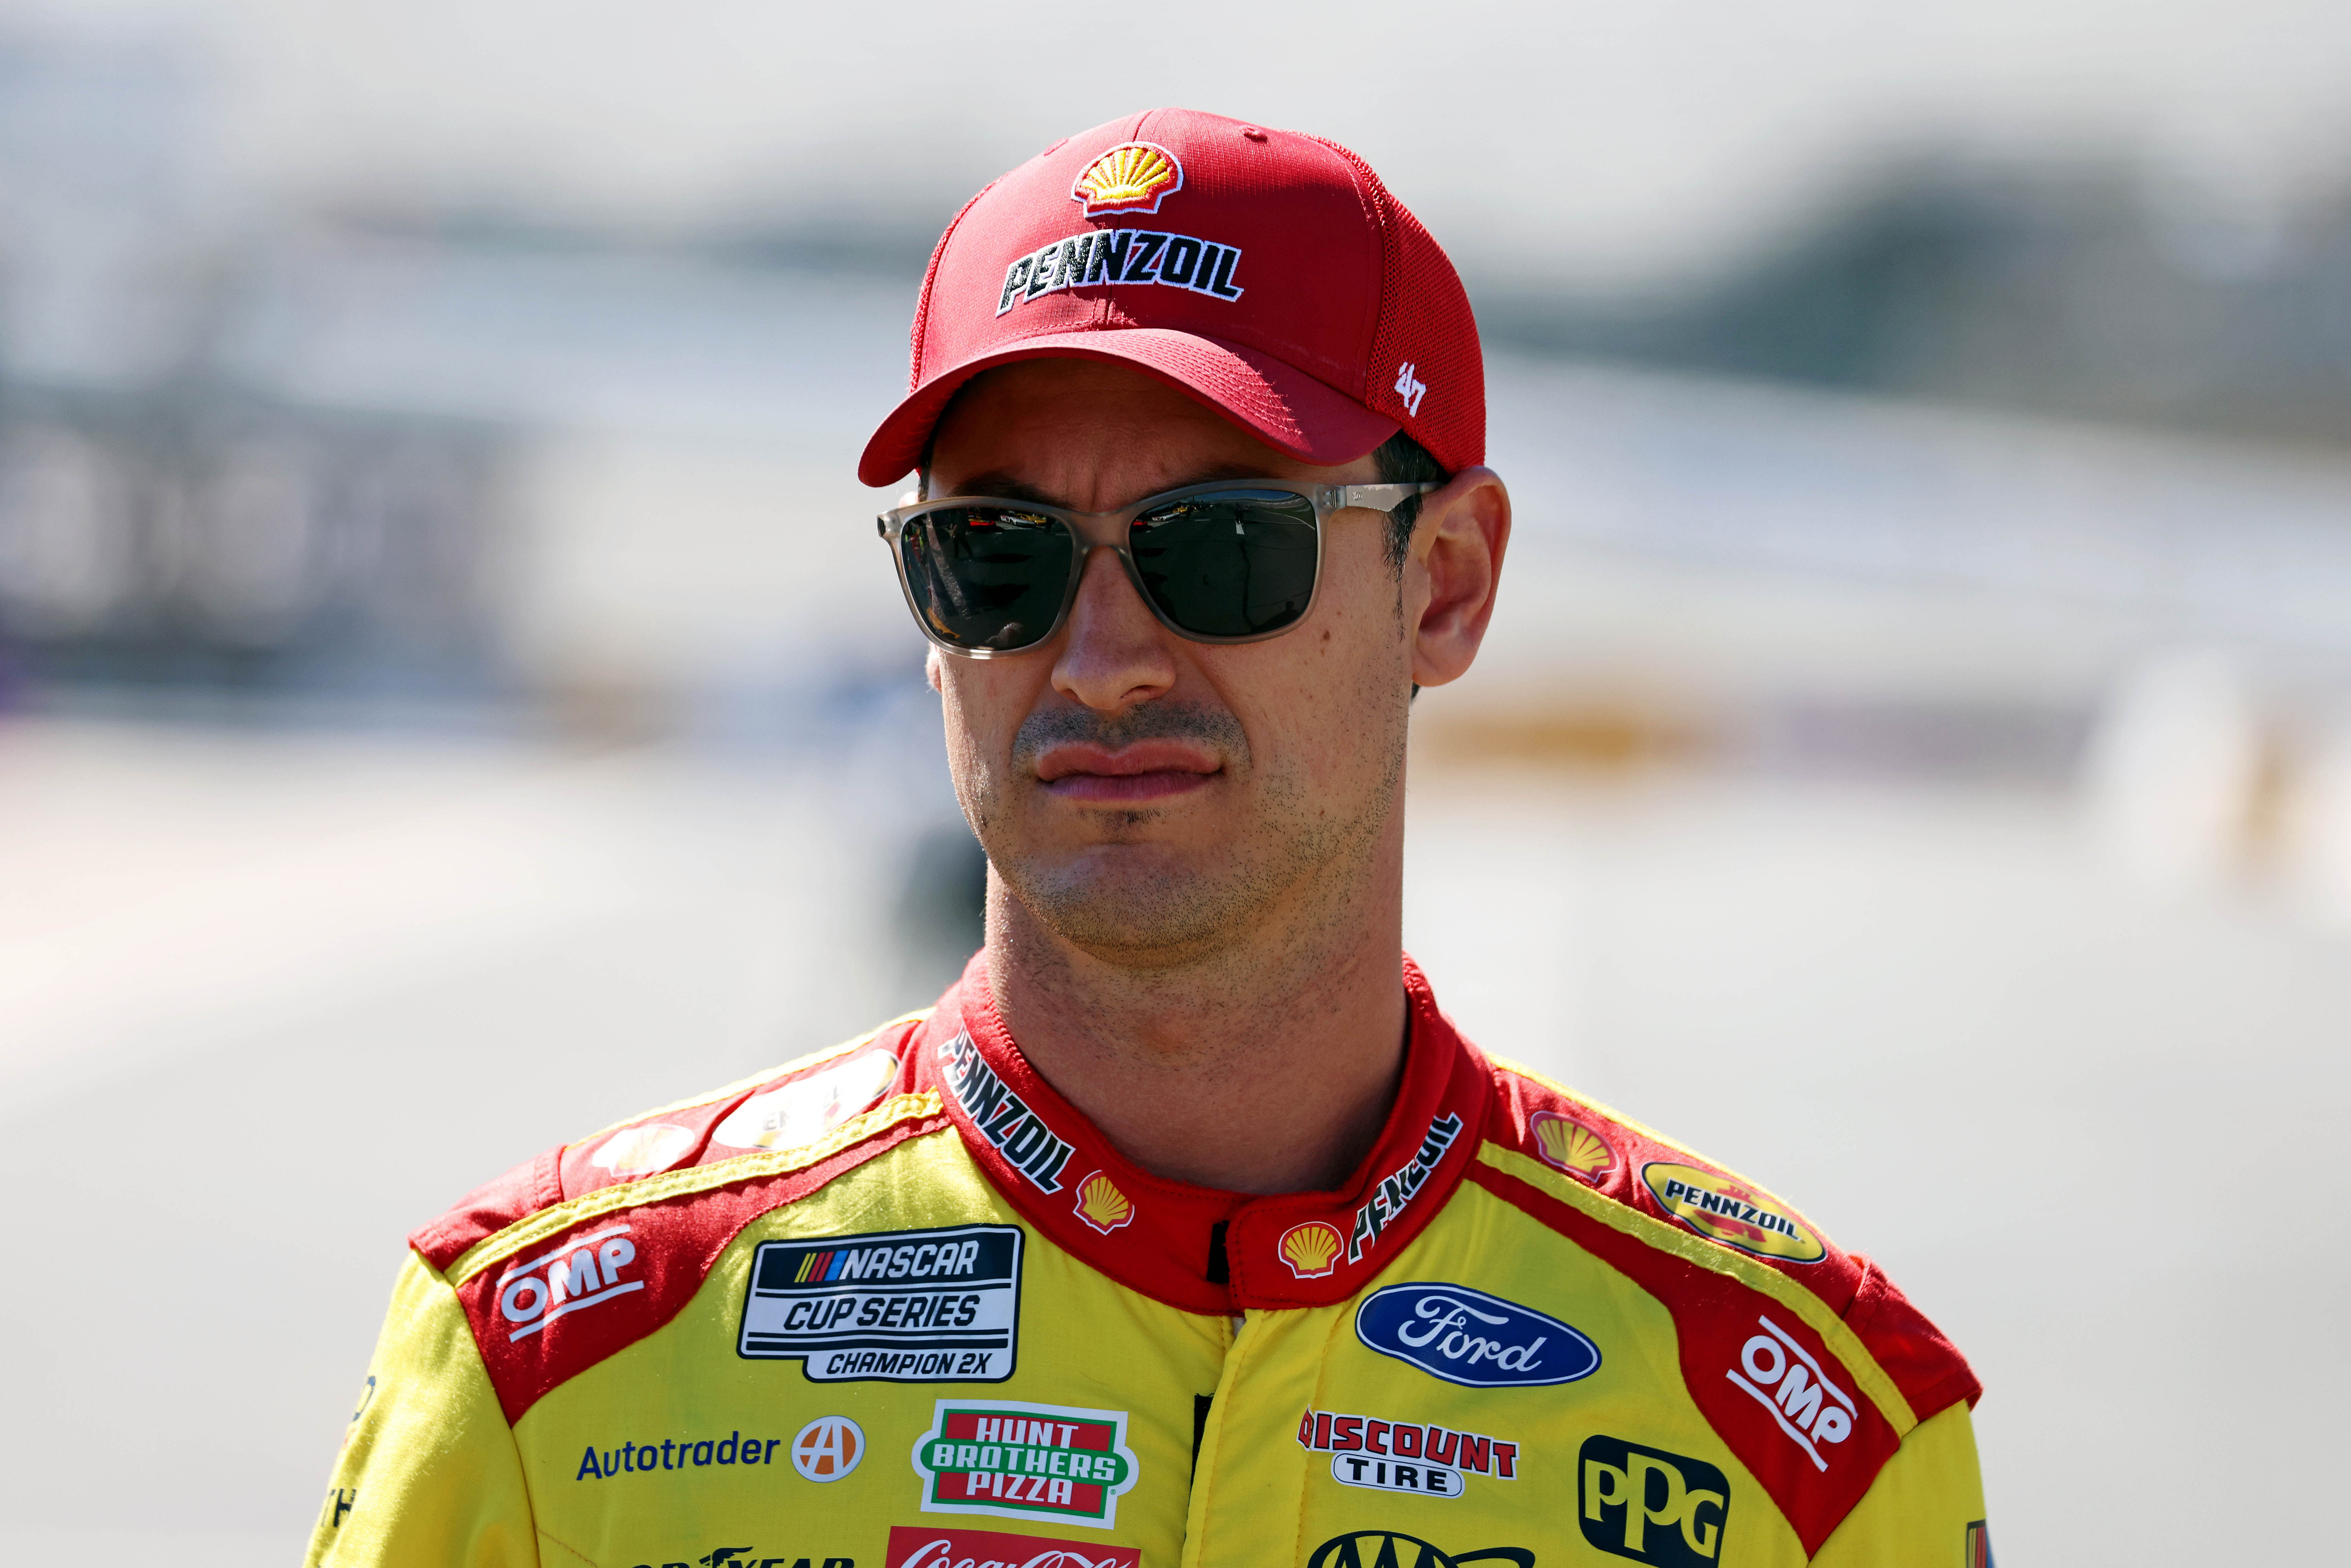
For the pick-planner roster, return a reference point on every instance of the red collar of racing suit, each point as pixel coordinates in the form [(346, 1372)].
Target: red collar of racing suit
[(1198, 1248)]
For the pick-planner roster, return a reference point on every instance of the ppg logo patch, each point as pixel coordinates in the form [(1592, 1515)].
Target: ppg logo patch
[(1652, 1506), (893, 1306)]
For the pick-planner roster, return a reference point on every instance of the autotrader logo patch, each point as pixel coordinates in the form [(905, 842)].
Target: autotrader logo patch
[(1652, 1506), (890, 1306), (1025, 1461)]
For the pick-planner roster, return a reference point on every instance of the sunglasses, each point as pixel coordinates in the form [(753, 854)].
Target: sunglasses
[(1230, 561)]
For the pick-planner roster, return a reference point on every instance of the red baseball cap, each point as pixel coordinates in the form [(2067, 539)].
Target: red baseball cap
[(1267, 273)]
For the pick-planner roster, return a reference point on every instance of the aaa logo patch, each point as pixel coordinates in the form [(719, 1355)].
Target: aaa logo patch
[(1025, 1461), (1732, 1212)]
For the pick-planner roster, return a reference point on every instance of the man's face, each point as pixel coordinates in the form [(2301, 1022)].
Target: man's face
[(1147, 797)]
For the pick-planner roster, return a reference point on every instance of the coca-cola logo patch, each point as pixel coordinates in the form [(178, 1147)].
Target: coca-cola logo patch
[(927, 1546)]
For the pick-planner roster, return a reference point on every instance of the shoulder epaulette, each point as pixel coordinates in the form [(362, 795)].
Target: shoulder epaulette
[(645, 1207), (1808, 1362)]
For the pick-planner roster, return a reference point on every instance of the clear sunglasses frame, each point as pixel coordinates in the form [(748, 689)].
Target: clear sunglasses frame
[(1109, 531)]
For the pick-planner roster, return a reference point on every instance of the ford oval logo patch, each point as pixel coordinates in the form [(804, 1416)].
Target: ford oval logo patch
[(1468, 1337)]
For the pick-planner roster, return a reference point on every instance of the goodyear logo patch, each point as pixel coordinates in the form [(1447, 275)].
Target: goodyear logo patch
[(1732, 1212), (892, 1306), (1002, 1116), (1108, 258), (1025, 1461), (1652, 1506)]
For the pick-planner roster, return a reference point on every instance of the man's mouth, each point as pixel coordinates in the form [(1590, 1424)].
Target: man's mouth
[(1145, 771)]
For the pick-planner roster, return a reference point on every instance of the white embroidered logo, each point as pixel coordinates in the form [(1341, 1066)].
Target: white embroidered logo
[(1410, 388)]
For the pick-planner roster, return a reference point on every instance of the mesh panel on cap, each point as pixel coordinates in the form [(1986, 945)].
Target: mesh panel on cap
[(1425, 322), (914, 334)]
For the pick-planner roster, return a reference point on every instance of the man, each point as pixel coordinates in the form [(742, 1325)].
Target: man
[(1185, 1229)]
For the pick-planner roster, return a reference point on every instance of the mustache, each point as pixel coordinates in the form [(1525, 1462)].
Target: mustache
[(1213, 727)]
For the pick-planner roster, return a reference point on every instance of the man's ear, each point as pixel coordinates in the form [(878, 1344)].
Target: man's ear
[(1456, 560), (934, 670)]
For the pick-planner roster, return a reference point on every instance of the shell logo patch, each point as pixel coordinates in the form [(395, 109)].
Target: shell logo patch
[(1132, 177), (1574, 1148), (1311, 1250), (1733, 1213), (1102, 1205)]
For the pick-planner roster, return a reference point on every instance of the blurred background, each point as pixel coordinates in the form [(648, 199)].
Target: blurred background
[(451, 696)]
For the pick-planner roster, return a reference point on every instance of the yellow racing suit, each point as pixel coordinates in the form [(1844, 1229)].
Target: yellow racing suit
[(898, 1305)]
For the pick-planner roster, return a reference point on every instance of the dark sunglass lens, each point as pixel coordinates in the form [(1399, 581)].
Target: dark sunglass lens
[(1232, 563), (985, 577)]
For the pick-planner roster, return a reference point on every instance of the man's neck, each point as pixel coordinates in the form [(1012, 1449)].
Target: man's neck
[(1268, 1065)]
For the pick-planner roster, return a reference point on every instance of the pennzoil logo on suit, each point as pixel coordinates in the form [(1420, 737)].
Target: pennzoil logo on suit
[(1003, 1117)]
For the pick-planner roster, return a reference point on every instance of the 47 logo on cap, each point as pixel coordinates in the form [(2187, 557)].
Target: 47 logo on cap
[(1025, 1461)]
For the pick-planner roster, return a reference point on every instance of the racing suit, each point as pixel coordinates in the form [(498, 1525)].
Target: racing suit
[(898, 1305)]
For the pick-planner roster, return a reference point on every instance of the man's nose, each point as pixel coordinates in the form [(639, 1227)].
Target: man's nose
[(1114, 653)]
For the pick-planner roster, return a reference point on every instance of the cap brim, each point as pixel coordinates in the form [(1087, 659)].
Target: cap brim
[(1280, 404)]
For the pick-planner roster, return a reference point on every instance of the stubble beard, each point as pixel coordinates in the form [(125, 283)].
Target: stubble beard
[(1142, 904)]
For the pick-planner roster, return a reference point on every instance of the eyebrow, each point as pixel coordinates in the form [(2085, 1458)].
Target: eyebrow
[(1004, 487)]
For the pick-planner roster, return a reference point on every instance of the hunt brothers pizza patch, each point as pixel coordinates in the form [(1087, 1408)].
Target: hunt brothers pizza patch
[(1025, 1461)]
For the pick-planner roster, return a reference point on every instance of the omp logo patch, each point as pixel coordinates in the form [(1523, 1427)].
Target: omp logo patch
[(1132, 177), (1782, 1377), (1395, 1191), (1387, 1549), (1732, 1212), (1002, 1116), (1403, 1456), (1652, 1506), (1024, 1461), (1106, 258), (1468, 1337), (929, 1546), (891, 1306), (581, 1273)]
